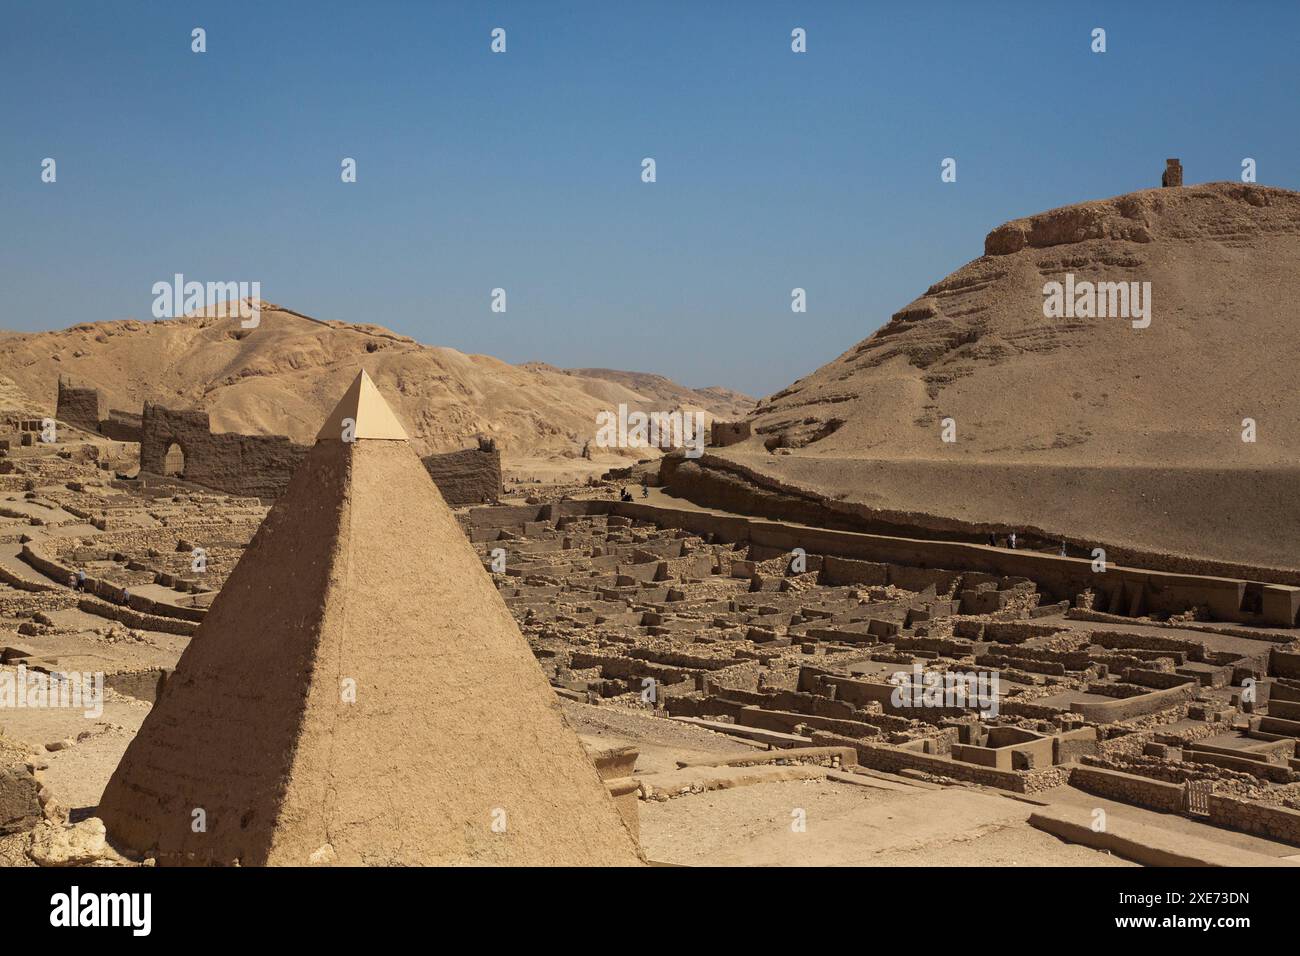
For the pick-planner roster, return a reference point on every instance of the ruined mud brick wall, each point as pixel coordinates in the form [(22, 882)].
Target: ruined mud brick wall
[(83, 407), (143, 685), (121, 426), (468, 477), (260, 466), (1284, 663), (1277, 773), (86, 408), (1121, 640), (255, 465), (722, 434)]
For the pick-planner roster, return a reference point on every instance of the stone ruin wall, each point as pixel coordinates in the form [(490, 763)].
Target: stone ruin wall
[(469, 477), (257, 466), (260, 466), (85, 407), (1272, 822), (728, 433), (121, 426)]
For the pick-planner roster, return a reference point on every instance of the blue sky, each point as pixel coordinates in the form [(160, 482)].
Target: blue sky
[(522, 170)]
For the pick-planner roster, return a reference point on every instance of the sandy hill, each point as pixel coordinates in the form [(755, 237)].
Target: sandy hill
[(1222, 260), (284, 376), (1083, 426)]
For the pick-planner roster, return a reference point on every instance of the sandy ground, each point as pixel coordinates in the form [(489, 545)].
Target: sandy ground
[(523, 474), (77, 774), (880, 820), (848, 825), (661, 742)]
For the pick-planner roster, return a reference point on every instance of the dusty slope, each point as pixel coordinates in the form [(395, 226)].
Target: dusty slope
[(1121, 434), (1223, 261), (13, 400), (284, 376)]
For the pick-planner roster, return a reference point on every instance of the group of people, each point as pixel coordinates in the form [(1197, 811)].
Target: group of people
[(1011, 543), (626, 495)]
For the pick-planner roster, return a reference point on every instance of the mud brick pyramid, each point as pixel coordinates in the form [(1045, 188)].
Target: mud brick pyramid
[(361, 574)]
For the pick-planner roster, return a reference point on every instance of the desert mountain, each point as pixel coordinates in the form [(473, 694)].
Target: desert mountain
[(1223, 263), (1083, 426), (284, 376)]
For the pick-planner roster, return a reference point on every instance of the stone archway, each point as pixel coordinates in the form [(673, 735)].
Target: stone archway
[(174, 461)]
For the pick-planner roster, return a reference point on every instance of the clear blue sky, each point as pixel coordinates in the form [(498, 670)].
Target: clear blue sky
[(522, 170)]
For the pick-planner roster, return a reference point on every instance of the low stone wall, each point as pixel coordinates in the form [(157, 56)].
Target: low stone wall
[(1016, 632), (143, 685), (142, 612), (1286, 709), (139, 620), (1275, 823), (1129, 788), (1160, 680), (1122, 640), (1126, 708), (1277, 773), (836, 571), (22, 584), (1284, 663), (1073, 744), (892, 760)]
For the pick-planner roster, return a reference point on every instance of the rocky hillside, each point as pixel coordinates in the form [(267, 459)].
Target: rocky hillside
[(284, 376), (1077, 425), (1223, 263)]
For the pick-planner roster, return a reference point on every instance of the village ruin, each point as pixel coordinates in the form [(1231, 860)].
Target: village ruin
[(576, 678)]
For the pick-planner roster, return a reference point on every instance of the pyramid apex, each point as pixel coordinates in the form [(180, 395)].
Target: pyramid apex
[(370, 416)]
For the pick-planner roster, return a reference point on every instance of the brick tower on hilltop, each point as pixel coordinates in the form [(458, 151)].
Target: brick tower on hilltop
[(1173, 175)]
